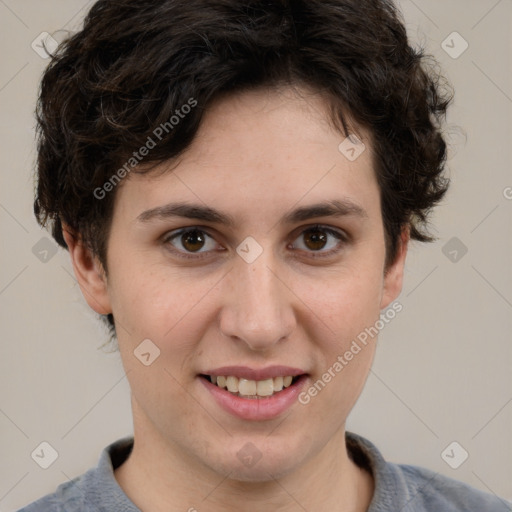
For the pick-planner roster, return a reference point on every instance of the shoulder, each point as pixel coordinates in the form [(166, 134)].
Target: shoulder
[(67, 498), (94, 490), (414, 489), (429, 490)]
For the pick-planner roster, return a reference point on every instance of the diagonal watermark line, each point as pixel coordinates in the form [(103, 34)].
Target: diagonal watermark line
[(15, 424), (419, 492), (13, 13), (185, 314), (301, 300), (77, 13), (286, 417), (15, 75), (280, 423), (13, 279), (501, 409), (195, 400), (507, 504), (306, 193), (485, 218), (13, 218), (373, 373), (287, 492), (493, 287), (217, 486), (340, 424), (423, 280), (10, 490), (424, 14), (486, 14), (492, 81), (181, 179), (77, 487), (271, 477), (97, 402)]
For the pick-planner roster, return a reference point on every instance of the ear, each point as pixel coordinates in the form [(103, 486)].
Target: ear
[(393, 276), (89, 273)]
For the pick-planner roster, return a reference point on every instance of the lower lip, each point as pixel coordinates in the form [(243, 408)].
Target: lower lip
[(256, 409)]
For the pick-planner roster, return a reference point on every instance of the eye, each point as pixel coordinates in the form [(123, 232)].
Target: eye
[(190, 240), (321, 239), (194, 242)]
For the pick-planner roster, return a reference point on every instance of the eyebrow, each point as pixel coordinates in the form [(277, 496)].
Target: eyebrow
[(334, 208)]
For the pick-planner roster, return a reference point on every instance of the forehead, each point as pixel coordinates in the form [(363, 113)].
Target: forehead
[(261, 150)]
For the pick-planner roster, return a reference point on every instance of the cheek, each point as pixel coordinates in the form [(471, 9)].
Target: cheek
[(153, 301), (343, 314), (344, 309), (166, 309), (346, 301)]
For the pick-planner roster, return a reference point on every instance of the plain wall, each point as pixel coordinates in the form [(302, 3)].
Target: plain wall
[(443, 367)]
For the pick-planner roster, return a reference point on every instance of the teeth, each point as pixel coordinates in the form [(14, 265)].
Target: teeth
[(232, 384), (246, 387), (265, 387), (252, 388)]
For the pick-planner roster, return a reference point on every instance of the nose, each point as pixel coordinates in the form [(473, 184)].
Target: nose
[(258, 308)]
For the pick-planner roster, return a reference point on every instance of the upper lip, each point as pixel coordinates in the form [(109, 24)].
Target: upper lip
[(245, 372)]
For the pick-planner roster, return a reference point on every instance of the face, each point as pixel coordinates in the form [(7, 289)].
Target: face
[(258, 255)]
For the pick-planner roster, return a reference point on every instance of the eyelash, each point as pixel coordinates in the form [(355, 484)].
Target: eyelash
[(341, 236)]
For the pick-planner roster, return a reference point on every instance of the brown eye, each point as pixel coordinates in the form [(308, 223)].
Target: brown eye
[(190, 242), (321, 240), (193, 240), (315, 239)]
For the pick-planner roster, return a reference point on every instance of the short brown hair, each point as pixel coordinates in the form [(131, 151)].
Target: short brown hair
[(136, 62)]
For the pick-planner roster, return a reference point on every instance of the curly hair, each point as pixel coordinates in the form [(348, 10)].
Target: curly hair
[(135, 63)]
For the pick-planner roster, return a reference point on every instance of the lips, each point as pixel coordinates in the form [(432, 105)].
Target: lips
[(254, 394), (245, 372)]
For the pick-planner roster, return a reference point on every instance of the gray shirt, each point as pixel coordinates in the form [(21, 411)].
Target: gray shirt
[(398, 487)]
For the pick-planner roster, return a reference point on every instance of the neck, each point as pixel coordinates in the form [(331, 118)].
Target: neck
[(160, 477)]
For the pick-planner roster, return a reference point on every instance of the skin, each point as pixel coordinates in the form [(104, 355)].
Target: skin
[(257, 156)]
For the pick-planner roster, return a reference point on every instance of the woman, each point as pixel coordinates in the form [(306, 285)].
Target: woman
[(237, 184)]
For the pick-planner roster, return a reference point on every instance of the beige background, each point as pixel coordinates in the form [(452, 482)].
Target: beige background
[(443, 368)]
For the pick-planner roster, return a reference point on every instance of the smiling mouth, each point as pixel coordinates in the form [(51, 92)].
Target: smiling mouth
[(252, 389)]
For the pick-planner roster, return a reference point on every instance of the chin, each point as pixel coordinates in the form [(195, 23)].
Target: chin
[(260, 473), (249, 464)]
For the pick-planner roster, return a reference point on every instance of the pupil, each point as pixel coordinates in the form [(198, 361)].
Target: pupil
[(317, 238), (192, 240)]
